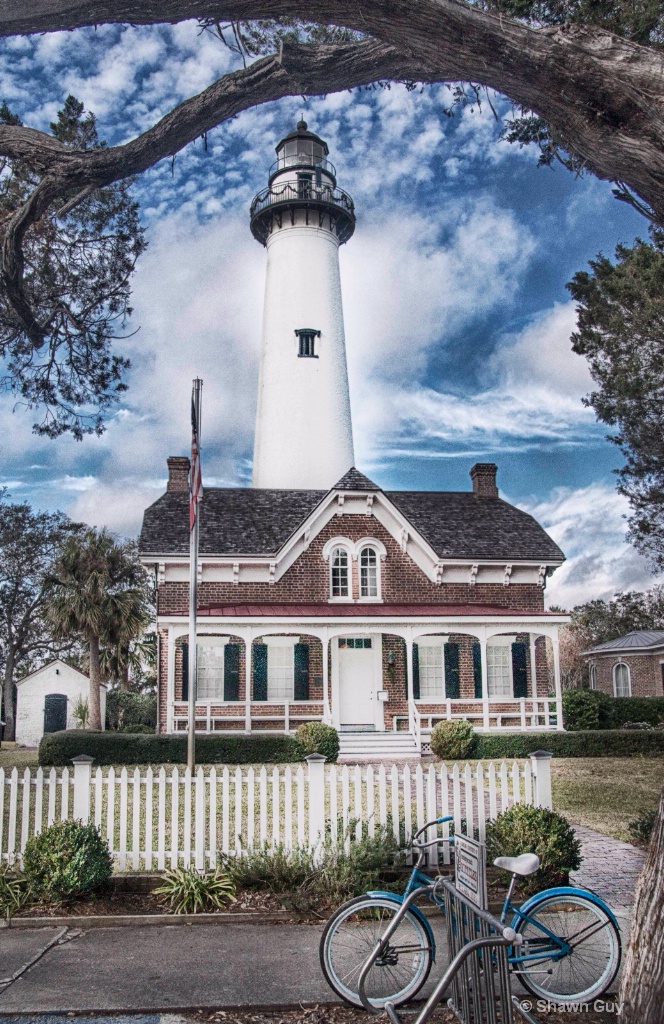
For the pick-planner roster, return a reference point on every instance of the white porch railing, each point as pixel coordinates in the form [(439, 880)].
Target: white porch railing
[(166, 817), (211, 718), (524, 714)]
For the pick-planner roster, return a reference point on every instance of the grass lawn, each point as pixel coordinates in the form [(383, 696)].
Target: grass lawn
[(606, 793), (12, 756)]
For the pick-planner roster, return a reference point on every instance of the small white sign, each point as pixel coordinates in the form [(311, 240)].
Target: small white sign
[(470, 869)]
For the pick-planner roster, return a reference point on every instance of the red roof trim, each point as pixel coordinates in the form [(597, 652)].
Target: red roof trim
[(359, 610)]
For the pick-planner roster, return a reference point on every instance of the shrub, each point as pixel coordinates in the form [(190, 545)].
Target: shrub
[(317, 738), (14, 891), (188, 891), (66, 860), (453, 741), (525, 829), (138, 730), (581, 709), (600, 743), (641, 828), (81, 712), (127, 707), (635, 709), (342, 868), (58, 748)]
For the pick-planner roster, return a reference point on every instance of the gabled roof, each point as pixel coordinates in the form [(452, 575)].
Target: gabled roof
[(53, 661), (638, 640), (353, 480), (258, 522)]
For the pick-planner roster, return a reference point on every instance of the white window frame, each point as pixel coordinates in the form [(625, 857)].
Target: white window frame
[(348, 596), (360, 553), (426, 643), (592, 673), (280, 644), (211, 641), (622, 664), (500, 641)]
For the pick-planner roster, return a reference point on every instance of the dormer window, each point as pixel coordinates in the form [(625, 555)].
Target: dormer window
[(339, 573), (307, 341)]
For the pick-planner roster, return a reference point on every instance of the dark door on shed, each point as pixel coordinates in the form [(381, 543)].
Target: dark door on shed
[(55, 712)]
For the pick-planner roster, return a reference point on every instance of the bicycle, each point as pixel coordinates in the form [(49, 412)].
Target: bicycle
[(567, 946)]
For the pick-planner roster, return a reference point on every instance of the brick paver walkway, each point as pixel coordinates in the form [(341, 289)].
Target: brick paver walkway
[(610, 868)]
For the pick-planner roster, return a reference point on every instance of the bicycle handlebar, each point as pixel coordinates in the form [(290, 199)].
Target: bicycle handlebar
[(430, 824)]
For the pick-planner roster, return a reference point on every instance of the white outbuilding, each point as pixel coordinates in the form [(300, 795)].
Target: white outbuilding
[(46, 700)]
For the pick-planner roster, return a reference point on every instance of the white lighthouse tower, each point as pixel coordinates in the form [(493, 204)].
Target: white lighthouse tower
[(304, 435)]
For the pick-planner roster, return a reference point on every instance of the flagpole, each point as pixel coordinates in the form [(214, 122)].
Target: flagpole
[(193, 573)]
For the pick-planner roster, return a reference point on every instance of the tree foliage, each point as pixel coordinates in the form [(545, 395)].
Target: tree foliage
[(621, 333), (55, 339), (29, 544), (97, 594)]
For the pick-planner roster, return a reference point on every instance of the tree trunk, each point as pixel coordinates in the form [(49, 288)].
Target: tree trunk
[(8, 695), (642, 990), (95, 681), (124, 667)]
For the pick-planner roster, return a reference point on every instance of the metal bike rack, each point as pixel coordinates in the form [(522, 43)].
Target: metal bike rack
[(477, 976)]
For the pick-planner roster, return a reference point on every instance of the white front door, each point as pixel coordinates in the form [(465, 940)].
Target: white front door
[(357, 690)]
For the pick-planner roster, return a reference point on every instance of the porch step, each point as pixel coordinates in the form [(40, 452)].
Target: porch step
[(373, 745)]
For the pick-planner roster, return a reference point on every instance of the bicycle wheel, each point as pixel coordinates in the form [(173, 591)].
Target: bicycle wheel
[(351, 934), (583, 973)]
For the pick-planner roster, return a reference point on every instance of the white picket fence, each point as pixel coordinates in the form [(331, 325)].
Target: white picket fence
[(168, 817)]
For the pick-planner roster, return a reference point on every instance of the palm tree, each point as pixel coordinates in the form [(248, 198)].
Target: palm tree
[(97, 593)]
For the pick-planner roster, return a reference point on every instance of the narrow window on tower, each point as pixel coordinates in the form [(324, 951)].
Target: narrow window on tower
[(307, 342)]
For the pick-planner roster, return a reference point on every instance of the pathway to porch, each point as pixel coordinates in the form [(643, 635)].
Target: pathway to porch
[(610, 867)]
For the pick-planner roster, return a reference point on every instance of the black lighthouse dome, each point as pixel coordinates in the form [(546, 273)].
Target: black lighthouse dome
[(302, 188)]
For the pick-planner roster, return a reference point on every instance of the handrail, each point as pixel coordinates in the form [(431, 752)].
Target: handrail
[(294, 191), (417, 724)]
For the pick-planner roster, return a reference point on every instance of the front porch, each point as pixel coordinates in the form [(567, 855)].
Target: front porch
[(364, 672)]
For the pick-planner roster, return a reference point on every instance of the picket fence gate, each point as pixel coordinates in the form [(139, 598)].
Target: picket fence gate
[(168, 817)]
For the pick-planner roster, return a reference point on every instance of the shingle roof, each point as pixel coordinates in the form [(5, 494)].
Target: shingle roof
[(636, 640), (253, 521), (353, 480)]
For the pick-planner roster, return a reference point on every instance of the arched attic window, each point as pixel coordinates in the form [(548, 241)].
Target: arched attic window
[(622, 686), (339, 573), (369, 581)]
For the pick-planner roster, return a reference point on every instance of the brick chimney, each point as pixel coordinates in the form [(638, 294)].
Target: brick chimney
[(483, 475), (178, 473)]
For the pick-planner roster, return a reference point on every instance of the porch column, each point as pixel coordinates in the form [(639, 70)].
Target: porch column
[(247, 679), (557, 682), (485, 684), (409, 681), (170, 679), (327, 708), (533, 665)]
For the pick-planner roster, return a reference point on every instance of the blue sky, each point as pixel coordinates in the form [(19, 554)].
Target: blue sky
[(457, 318)]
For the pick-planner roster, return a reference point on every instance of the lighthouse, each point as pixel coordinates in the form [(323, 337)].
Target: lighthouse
[(304, 438)]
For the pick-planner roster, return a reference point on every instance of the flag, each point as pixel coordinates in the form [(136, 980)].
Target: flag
[(195, 479)]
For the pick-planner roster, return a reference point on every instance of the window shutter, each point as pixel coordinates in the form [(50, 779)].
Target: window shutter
[(416, 672), (260, 671), (452, 687), (185, 671), (477, 669), (232, 672), (519, 670), (301, 684)]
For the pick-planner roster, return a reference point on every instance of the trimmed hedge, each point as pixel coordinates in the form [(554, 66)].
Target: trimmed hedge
[(598, 743), (58, 748), (593, 709)]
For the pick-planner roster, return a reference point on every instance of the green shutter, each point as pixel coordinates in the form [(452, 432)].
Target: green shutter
[(519, 670), (301, 687), (260, 671), (185, 671), (477, 669), (416, 672), (452, 684), (232, 672)]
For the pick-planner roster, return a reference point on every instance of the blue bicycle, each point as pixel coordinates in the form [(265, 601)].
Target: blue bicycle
[(568, 951)]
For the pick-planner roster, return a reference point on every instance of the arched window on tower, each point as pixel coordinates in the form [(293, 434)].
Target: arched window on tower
[(339, 576), (368, 573)]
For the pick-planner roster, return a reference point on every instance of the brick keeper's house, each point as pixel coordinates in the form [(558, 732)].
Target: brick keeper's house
[(323, 597)]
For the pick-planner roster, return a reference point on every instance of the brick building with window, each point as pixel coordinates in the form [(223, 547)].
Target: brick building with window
[(629, 666)]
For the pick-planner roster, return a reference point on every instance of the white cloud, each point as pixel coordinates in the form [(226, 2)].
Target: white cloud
[(589, 525)]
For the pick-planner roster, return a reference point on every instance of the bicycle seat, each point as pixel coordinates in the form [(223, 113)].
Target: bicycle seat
[(525, 864)]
